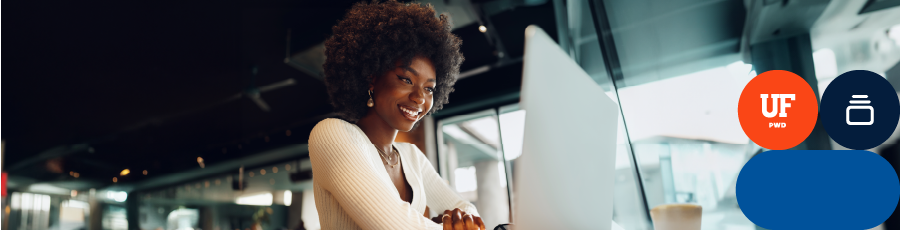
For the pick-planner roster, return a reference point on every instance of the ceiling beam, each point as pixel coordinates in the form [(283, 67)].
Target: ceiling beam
[(286, 153), (58, 151)]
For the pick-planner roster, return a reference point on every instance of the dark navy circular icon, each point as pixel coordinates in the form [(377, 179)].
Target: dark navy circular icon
[(859, 109)]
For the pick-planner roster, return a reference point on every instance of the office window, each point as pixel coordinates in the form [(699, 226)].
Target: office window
[(114, 217), (688, 141), (29, 211), (629, 210), (676, 77), (471, 154)]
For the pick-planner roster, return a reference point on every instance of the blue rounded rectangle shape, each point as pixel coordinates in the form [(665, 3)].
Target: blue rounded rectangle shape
[(817, 189)]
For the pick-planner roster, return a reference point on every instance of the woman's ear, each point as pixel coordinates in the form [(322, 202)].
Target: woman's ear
[(371, 79)]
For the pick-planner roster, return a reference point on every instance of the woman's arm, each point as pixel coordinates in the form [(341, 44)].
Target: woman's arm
[(440, 195), (337, 152)]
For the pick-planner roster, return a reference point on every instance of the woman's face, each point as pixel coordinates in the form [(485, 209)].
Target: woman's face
[(404, 95)]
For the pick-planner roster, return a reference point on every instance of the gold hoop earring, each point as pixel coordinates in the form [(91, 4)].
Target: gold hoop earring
[(371, 102)]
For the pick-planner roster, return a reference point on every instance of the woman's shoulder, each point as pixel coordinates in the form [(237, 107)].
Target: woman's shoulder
[(334, 122), (334, 127)]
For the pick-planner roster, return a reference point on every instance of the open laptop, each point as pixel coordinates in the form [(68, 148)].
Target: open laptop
[(564, 178)]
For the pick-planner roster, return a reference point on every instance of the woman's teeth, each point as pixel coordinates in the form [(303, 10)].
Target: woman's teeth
[(409, 113)]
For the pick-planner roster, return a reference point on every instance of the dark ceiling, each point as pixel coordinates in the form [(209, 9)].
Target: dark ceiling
[(95, 89)]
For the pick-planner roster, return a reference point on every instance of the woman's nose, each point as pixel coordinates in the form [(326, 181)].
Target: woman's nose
[(417, 96)]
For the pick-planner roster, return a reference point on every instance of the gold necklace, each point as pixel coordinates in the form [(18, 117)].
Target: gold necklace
[(387, 159), (383, 155)]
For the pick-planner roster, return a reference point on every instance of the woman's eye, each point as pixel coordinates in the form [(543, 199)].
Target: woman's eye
[(430, 90), (404, 79)]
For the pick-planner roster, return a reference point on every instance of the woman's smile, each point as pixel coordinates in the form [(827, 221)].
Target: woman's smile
[(411, 113)]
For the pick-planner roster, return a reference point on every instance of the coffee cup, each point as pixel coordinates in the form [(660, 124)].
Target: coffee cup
[(676, 217)]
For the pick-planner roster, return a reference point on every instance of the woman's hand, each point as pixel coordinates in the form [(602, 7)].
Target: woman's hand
[(459, 220)]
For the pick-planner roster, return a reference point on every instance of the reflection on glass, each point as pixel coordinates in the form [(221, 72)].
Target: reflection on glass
[(688, 141), (677, 92), (476, 170), (628, 207), (512, 126)]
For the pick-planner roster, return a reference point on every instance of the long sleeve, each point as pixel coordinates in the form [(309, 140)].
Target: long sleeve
[(440, 196), (338, 153)]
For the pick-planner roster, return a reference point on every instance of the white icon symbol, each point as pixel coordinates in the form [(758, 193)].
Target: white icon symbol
[(775, 97), (864, 105)]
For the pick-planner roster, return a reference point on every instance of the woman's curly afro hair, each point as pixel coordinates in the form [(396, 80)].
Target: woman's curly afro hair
[(373, 37)]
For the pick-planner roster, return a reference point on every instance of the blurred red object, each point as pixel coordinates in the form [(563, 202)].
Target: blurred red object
[(3, 185)]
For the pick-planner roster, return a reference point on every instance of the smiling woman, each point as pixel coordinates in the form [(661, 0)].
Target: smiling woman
[(388, 65), (373, 38)]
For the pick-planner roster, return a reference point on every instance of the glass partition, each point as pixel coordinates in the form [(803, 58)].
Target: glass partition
[(679, 76), (629, 207), (471, 153)]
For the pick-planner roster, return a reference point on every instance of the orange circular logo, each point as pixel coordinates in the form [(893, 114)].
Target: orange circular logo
[(778, 110)]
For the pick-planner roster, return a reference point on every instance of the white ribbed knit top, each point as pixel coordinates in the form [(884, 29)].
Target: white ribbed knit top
[(353, 190)]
